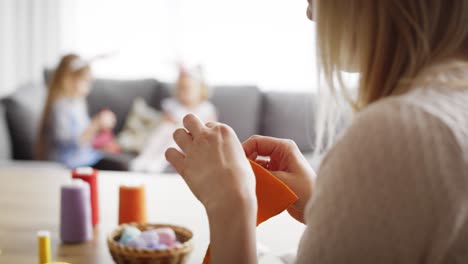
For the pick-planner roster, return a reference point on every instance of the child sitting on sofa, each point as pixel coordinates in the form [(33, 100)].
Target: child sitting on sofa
[(66, 132), (191, 96)]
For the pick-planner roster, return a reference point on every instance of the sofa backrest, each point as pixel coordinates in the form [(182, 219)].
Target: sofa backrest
[(290, 115), (5, 145), (240, 107), (23, 111)]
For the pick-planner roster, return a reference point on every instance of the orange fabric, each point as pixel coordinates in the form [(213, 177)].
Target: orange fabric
[(132, 204), (273, 197)]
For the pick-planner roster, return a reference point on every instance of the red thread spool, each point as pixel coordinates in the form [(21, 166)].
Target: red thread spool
[(132, 204), (89, 175)]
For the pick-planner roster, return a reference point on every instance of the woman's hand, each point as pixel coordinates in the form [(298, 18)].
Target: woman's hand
[(214, 166), (288, 164), (213, 163)]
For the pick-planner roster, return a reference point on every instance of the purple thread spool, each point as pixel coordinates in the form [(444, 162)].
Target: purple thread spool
[(75, 212)]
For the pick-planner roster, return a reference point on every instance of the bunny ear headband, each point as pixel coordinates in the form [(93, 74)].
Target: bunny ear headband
[(79, 63)]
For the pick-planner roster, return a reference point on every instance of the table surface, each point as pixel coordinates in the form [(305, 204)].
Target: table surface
[(30, 201)]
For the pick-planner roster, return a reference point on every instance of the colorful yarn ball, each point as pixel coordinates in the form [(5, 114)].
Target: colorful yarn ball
[(158, 239), (129, 233)]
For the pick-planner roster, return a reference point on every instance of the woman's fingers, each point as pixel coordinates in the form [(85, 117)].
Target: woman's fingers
[(283, 153), (176, 159), (193, 124), (264, 163), (261, 145), (211, 124), (252, 156), (182, 138)]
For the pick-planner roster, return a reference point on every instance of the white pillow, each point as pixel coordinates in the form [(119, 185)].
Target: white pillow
[(140, 122)]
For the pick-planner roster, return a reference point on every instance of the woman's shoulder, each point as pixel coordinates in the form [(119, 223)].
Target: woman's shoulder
[(421, 114), (429, 104), (392, 146), (381, 179), (389, 114), (390, 129), (396, 136)]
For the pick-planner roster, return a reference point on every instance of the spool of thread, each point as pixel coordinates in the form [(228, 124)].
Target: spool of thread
[(75, 212), (43, 246), (132, 204), (90, 175)]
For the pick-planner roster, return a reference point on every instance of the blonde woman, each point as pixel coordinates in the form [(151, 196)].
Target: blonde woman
[(394, 186)]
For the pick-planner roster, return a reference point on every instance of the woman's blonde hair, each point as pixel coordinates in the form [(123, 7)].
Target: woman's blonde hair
[(70, 66), (389, 42)]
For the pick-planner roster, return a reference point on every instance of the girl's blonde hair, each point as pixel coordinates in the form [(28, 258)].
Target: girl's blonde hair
[(390, 43), (70, 66), (196, 73)]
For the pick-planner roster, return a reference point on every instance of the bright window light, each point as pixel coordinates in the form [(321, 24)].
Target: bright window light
[(263, 42)]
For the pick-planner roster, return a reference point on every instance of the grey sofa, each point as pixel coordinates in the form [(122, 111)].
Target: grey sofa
[(246, 108)]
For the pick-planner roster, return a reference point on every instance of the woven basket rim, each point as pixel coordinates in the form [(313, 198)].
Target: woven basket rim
[(117, 248)]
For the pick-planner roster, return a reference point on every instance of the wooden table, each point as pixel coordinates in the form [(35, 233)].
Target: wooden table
[(30, 201)]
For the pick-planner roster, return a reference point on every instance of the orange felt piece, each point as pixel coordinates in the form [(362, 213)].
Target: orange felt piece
[(273, 197)]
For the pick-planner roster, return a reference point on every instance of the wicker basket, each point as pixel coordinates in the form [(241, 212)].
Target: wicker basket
[(129, 255)]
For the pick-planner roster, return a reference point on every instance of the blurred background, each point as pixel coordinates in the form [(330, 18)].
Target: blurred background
[(265, 43), (257, 60), (258, 74)]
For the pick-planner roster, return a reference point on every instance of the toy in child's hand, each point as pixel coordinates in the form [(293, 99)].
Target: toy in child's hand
[(159, 238), (104, 140)]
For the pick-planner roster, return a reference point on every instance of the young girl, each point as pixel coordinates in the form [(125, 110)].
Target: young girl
[(191, 96), (66, 131)]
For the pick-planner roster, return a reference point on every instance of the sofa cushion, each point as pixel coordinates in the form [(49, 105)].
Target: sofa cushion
[(118, 96), (24, 110), (5, 146), (291, 116)]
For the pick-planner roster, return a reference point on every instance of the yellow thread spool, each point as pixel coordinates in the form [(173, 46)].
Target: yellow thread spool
[(43, 246)]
